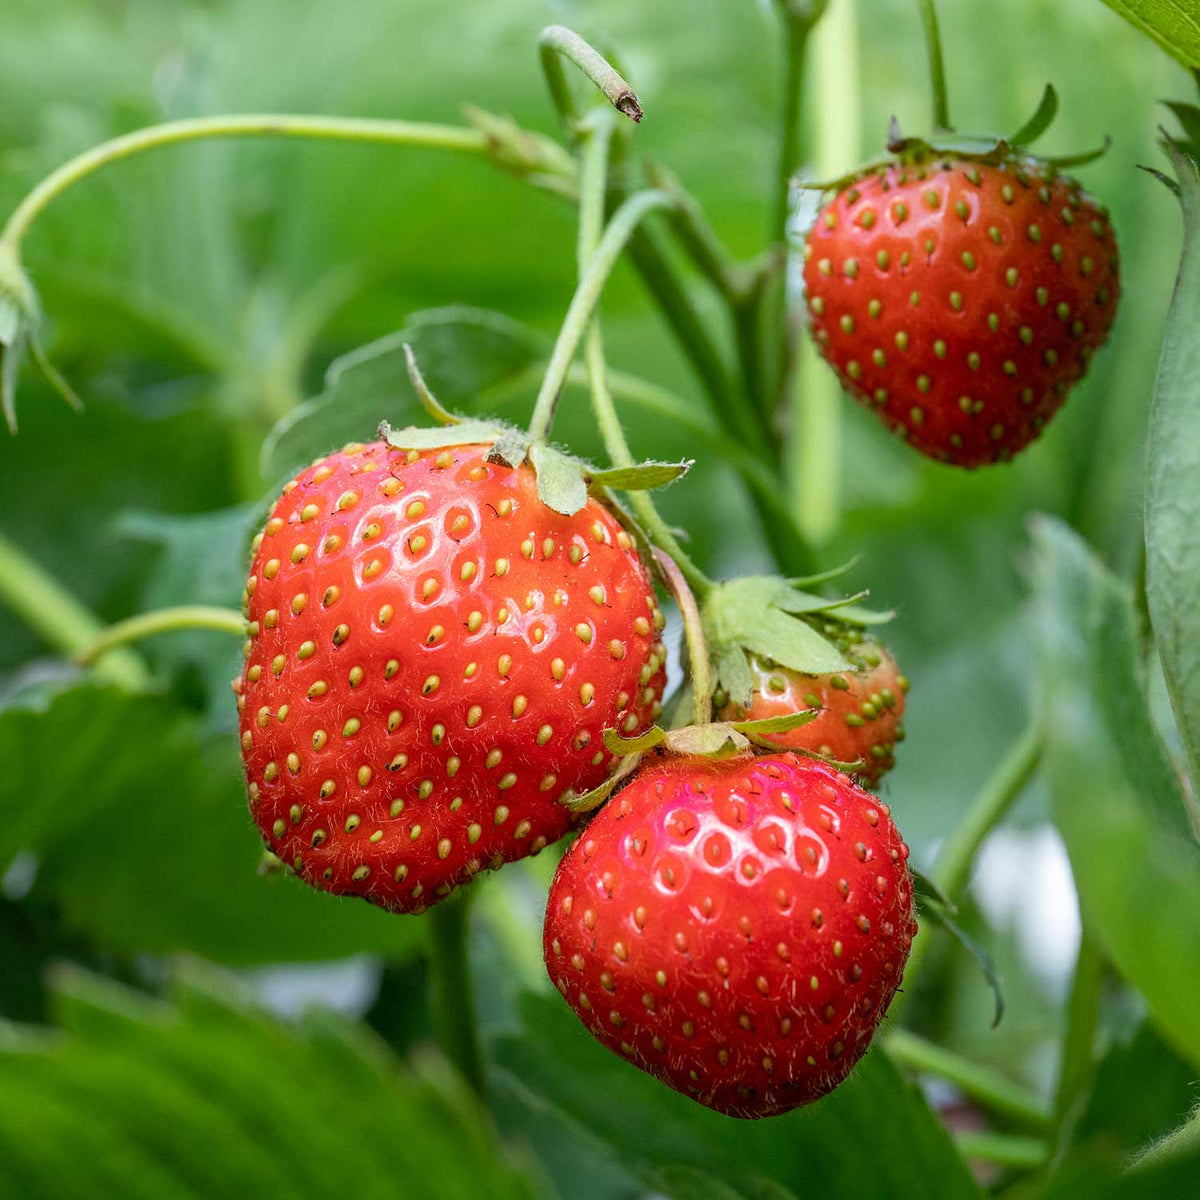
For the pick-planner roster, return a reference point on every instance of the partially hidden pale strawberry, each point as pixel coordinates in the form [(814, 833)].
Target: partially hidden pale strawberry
[(736, 927), (432, 658), (961, 297), (861, 709)]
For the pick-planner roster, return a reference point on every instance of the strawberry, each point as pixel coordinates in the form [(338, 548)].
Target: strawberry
[(433, 655), (961, 297), (736, 927), (861, 709)]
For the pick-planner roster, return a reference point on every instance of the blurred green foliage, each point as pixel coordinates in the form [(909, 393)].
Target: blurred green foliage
[(197, 295)]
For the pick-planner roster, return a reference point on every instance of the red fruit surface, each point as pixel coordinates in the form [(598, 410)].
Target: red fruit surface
[(960, 301), (862, 709), (433, 656), (736, 928)]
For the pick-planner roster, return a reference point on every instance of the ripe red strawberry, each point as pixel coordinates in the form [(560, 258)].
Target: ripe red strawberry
[(961, 300), (861, 715), (433, 656), (735, 927)]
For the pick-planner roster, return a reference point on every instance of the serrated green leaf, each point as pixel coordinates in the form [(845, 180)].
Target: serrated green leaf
[(616, 744), (1116, 796), (1045, 113), (560, 481), (640, 478), (1173, 24), (1172, 505), (432, 437), (719, 740), (780, 724), (940, 917)]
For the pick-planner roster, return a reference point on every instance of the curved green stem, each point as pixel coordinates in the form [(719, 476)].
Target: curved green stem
[(620, 228), (347, 129), (937, 67), (55, 615), (693, 632), (991, 1089), (451, 994), (556, 43), (798, 22), (161, 620), (1003, 1149), (1185, 1140)]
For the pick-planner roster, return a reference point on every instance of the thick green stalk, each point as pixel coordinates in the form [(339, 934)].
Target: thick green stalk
[(451, 995), (996, 1093), (937, 66), (162, 620), (620, 228), (57, 617), (349, 129)]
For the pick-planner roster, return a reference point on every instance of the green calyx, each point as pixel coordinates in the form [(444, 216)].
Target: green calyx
[(774, 620), (563, 481)]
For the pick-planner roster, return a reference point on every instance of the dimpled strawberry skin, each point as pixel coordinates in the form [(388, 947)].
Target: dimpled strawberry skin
[(735, 928), (433, 655), (961, 301), (861, 711)]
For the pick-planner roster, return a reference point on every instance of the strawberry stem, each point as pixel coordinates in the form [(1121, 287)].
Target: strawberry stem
[(451, 995), (937, 66), (162, 620), (556, 43), (693, 631), (56, 616), (798, 22)]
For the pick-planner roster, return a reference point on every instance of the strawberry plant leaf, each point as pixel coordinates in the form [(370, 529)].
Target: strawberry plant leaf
[(816, 1151), (1173, 24), (640, 478), (1172, 508), (1116, 796), (560, 481), (173, 1099)]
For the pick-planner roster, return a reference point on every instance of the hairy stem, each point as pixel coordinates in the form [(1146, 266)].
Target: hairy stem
[(693, 632), (557, 43), (57, 617), (162, 620), (937, 67), (451, 994), (620, 228), (991, 1089), (347, 129)]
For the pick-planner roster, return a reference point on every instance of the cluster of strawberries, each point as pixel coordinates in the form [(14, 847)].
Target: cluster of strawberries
[(434, 658)]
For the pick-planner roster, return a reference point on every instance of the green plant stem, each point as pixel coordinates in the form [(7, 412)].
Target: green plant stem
[(1082, 1018), (57, 617), (937, 66), (620, 227), (991, 1089), (451, 995), (798, 22), (1003, 1149), (1185, 1140), (995, 798), (162, 620), (556, 43), (693, 632), (347, 129)]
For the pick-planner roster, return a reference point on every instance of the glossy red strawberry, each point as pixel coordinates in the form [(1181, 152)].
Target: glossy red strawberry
[(433, 656), (861, 710), (736, 928), (961, 299)]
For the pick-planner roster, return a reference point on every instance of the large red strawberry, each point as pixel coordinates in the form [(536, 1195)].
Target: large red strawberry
[(433, 656), (960, 297), (861, 709), (735, 927)]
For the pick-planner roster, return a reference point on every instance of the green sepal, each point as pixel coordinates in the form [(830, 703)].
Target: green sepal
[(560, 482), (429, 402), (511, 448), (1188, 116), (414, 437), (589, 801), (640, 478), (780, 724), (719, 740), (807, 581), (1045, 113), (733, 673), (621, 747)]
